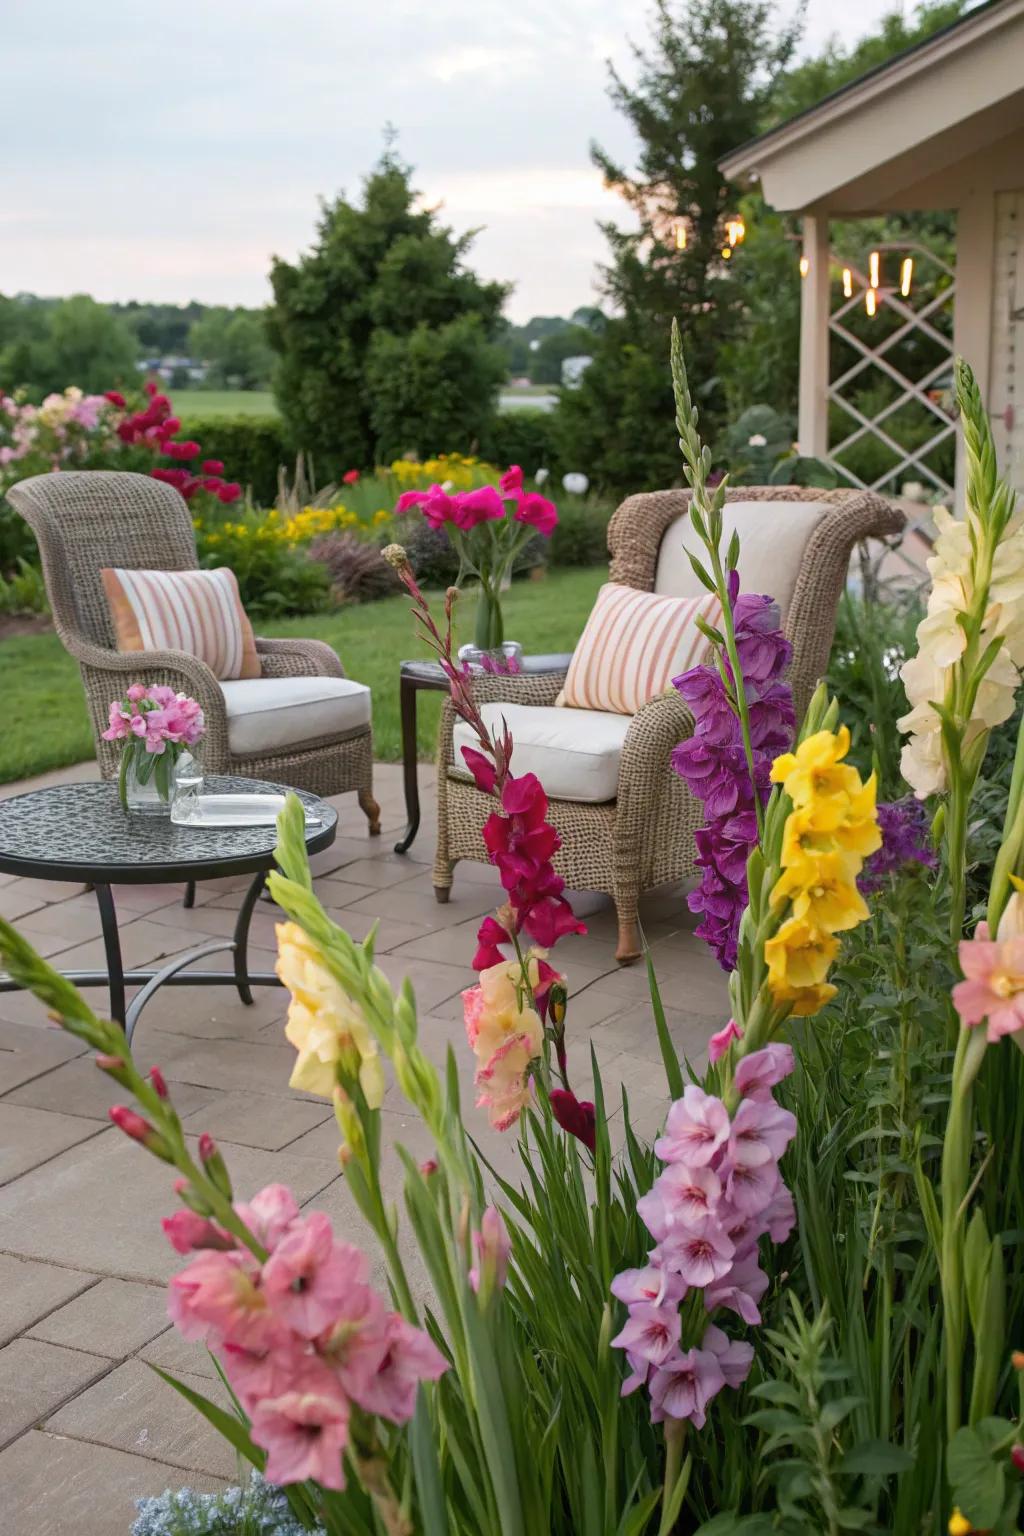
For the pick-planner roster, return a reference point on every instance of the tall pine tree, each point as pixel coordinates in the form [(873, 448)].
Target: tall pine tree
[(702, 88)]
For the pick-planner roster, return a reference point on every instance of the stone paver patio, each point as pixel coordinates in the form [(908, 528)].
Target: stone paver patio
[(85, 1426)]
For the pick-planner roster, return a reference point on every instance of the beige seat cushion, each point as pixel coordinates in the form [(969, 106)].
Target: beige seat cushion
[(574, 752), (773, 535), (266, 714)]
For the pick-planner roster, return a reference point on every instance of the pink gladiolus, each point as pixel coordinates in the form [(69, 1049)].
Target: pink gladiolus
[(357, 1343), (479, 506), (308, 1275), (696, 1127), (700, 1258), (749, 1187), (270, 1215), (493, 1247), (682, 1387), (758, 1073), (761, 1132), (304, 1433), (734, 1356), (993, 988), (411, 1357), (651, 1332), (650, 1284), (217, 1298), (740, 1290), (186, 1232), (511, 480), (722, 1039), (690, 1195)]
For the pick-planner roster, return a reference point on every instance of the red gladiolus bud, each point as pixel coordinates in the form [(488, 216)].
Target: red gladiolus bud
[(1017, 1457), (214, 1164), (140, 1130), (156, 1077), (213, 467), (207, 1147), (575, 1116), (429, 1167)]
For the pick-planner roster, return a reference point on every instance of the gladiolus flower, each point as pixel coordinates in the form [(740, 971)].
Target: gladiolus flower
[(993, 988), (722, 1039), (326, 1027), (186, 1231), (115, 397), (309, 1275), (577, 1116), (683, 1385), (493, 1247), (511, 480), (411, 1357), (697, 1126), (304, 1434), (212, 467)]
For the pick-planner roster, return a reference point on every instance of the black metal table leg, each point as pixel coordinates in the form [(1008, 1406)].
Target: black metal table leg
[(189, 898), (112, 948), (407, 700), (241, 946)]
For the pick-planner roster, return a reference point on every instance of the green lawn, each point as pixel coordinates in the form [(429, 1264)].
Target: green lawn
[(223, 402), (44, 718)]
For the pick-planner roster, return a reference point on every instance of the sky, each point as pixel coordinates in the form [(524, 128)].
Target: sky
[(167, 152)]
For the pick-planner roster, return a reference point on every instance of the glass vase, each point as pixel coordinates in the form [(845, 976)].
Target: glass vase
[(146, 780)]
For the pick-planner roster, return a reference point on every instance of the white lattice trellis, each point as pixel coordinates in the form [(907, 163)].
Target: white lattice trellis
[(910, 463)]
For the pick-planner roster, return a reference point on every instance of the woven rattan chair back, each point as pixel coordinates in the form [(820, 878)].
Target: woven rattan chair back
[(85, 520)]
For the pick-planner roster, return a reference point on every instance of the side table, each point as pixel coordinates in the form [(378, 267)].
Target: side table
[(414, 675), (80, 833)]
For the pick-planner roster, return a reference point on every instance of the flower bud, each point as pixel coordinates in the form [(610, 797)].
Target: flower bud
[(558, 1000), (1017, 1359), (140, 1130), (493, 1246), (192, 1198), (214, 1165), (156, 1077), (187, 1232), (396, 556), (959, 1525), (429, 1167), (113, 1066)]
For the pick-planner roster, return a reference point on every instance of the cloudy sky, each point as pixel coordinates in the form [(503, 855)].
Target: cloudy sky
[(165, 152)]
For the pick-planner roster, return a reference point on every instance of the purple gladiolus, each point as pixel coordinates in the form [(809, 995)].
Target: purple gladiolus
[(905, 840), (714, 764)]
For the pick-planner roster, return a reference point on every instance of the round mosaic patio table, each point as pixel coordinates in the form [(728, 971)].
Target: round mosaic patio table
[(81, 833)]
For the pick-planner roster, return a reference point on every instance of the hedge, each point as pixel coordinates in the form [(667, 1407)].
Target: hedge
[(526, 437)]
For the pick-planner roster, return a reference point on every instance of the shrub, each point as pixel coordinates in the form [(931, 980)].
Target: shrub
[(580, 536), (275, 575), (433, 388), (254, 447), (357, 570), (431, 554), (525, 437)]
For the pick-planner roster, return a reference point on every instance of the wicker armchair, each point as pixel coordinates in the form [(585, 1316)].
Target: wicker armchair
[(795, 544), (85, 520)]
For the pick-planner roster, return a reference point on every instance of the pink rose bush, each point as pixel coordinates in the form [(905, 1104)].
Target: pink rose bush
[(719, 1193), (489, 526), (301, 1335)]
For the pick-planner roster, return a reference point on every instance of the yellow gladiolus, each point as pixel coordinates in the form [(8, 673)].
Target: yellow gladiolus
[(805, 1001), (815, 771), (822, 889), (325, 1026), (799, 955)]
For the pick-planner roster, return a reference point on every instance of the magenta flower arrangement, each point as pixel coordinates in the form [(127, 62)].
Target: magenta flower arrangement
[(714, 763), (488, 526), (155, 725)]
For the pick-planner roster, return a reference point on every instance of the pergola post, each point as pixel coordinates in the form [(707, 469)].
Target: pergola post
[(814, 339)]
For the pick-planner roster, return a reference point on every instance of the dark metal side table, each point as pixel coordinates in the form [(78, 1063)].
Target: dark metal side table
[(414, 676), (80, 833)]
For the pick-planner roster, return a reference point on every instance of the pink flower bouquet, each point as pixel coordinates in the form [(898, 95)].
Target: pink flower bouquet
[(156, 725), (489, 527)]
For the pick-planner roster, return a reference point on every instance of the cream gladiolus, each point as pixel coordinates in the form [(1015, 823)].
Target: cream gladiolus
[(941, 642), (324, 1025)]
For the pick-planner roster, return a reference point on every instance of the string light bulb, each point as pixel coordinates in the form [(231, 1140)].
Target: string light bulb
[(906, 273), (847, 283), (873, 265), (680, 235), (736, 231), (726, 252), (870, 302), (805, 266)]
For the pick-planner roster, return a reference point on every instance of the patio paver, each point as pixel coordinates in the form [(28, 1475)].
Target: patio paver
[(82, 1259)]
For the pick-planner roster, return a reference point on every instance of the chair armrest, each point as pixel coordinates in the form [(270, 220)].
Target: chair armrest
[(657, 727), (298, 658), (650, 794), (175, 669), (540, 688)]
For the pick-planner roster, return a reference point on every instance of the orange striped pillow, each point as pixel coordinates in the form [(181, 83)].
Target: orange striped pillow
[(633, 645), (199, 612)]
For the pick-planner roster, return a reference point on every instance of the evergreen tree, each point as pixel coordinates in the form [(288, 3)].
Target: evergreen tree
[(702, 88), (381, 281)]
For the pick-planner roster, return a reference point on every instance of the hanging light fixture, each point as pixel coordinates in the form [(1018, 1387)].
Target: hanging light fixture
[(680, 234), (906, 273), (873, 265), (805, 266), (870, 301), (847, 283)]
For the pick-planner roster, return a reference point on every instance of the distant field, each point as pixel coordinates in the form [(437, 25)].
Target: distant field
[(223, 402)]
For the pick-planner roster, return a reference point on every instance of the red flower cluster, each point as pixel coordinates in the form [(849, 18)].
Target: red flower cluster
[(521, 842), (154, 428)]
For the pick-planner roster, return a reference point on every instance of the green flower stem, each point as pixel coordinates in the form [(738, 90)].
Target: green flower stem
[(955, 1183)]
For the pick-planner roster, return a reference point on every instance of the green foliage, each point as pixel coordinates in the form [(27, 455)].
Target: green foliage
[(761, 360), (44, 347), (380, 272), (432, 389), (274, 576), (24, 591), (873, 639), (529, 438), (234, 344), (581, 534), (252, 449), (546, 362)]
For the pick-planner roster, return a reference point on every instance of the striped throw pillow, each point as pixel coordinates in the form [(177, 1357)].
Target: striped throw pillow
[(198, 612), (633, 645)]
